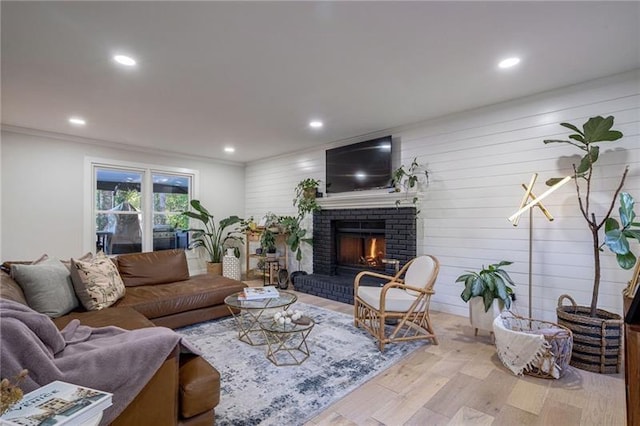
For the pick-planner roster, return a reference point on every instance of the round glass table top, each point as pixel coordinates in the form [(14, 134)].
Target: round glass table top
[(237, 301), (275, 327)]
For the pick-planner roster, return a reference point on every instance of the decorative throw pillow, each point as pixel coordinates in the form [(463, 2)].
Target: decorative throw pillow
[(97, 282), (47, 287), (84, 258)]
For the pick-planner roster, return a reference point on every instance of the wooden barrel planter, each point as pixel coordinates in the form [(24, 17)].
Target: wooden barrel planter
[(597, 341)]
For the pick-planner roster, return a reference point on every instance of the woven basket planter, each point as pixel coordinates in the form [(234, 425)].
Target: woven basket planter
[(597, 342)]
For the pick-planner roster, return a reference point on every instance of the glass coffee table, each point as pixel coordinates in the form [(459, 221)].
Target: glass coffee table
[(248, 313), (287, 343)]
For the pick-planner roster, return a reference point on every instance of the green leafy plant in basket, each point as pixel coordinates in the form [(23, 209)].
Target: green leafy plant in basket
[(305, 196), (296, 235), (214, 238), (490, 283)]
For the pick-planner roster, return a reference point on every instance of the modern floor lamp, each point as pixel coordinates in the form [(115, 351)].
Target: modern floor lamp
[(525, 205)]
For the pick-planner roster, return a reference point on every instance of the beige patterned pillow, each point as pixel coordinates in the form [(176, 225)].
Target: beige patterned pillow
[(97, 282)]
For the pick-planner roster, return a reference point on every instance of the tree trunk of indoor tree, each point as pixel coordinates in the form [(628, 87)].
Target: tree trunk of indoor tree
[(594, 227), (596, 258)]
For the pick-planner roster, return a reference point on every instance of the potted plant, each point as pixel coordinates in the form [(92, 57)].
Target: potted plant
[(295, 235), (268, 243), (597, 332), (488, 292), (407, 179), (305, 199), (213, 237)]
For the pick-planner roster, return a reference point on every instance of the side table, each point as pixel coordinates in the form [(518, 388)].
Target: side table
[(287, 344)]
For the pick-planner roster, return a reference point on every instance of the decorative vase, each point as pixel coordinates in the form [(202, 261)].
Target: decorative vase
[(231, 265), (481, 320)]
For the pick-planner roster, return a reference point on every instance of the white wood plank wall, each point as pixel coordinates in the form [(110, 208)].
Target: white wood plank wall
[(477, 161)]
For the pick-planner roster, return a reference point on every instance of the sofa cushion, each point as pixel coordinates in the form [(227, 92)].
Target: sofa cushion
[(158, 267), (199, 291), (47, 287), (126, 318), (97, 282)]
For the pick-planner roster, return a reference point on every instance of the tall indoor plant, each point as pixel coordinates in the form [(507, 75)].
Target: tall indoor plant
[(213, 237), (597, 331), (306, 203), (598, 129)]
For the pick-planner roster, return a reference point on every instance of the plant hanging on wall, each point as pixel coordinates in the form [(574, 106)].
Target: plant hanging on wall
[(408, 179)]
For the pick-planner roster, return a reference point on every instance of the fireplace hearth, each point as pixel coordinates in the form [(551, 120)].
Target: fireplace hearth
[(347, 241)]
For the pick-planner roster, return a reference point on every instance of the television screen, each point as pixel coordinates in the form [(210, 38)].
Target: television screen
[(360, 166)]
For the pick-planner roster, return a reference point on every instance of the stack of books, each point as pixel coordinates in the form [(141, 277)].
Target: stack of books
[(259, 293), (58, 403)]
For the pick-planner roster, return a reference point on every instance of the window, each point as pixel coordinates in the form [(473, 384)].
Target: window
[(137, 208)]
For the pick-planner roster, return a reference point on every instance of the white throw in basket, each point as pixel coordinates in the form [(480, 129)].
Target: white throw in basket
[(534, 347)]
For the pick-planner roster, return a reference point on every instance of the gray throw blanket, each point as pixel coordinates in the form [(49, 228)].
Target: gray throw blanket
[(109, 358)]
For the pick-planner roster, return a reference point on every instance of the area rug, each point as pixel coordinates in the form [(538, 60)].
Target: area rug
[(256, 392)]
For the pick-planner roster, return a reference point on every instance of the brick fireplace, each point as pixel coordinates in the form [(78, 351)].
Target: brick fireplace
[(347, 241)]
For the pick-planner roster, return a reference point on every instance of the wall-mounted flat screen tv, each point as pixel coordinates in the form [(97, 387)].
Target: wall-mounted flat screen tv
[(359, 166)]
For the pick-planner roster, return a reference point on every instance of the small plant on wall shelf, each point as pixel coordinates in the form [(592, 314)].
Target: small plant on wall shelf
[(305, 199), (407, 179)]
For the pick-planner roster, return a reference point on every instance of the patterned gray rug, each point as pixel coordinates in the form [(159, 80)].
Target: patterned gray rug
[(256, 392)]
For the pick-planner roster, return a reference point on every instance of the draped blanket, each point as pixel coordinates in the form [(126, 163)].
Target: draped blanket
[(109, 359), (518, 350)]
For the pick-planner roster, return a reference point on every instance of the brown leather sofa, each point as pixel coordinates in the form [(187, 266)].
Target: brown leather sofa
[(159, 291), (158, 286)]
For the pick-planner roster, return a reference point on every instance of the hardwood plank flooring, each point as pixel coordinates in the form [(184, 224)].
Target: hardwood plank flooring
[(461, 381)]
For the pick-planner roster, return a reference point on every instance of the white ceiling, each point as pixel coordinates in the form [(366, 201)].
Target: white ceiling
[(252, 74)]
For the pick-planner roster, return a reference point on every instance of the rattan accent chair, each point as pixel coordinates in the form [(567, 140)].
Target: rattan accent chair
[(405, 300)]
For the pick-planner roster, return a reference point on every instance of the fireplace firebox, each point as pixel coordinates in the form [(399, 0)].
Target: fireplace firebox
[(360, 244)]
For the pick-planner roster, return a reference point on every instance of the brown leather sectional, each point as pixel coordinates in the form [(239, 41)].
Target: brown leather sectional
[(160, 292)]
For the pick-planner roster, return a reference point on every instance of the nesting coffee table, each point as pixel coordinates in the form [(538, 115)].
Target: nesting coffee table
[(287, 343), (248, 314)]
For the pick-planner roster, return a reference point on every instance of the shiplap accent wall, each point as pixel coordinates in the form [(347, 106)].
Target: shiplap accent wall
[(477, 161)]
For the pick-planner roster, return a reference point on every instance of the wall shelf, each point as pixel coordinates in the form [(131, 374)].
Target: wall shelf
[(365, 199)]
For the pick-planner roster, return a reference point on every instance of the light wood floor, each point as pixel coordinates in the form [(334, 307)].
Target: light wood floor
[(461, 381)]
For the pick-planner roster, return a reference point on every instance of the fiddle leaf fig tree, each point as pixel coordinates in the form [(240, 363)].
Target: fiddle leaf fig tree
[(617, 235)]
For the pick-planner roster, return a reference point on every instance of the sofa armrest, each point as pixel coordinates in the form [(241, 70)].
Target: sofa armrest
[(157, 403), (199, 386)]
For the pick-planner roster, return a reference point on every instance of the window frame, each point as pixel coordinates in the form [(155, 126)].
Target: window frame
[(146, 196)]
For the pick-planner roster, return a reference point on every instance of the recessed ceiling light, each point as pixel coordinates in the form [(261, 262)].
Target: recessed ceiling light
[(229, 149), (77, 121), (509, 62), (316, 124), (125, 60)]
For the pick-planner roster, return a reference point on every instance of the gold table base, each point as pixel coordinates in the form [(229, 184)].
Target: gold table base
[(287, 347)]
